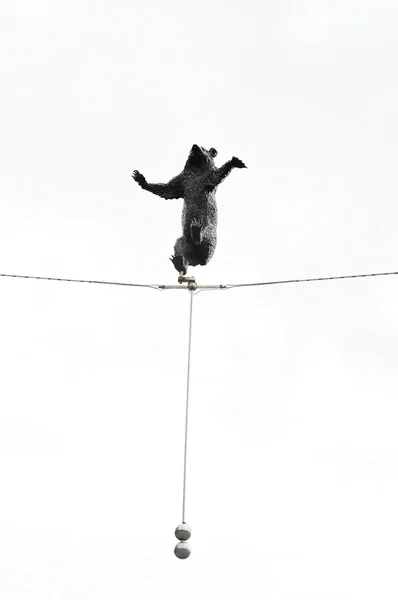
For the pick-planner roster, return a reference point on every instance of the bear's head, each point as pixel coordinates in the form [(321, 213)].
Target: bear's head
[(200, 158)]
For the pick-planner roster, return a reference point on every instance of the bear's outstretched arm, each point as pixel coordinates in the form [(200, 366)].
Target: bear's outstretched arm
[(221, 173), (170, 190)]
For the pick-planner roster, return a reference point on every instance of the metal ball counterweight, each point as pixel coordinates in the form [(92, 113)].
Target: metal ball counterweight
[(182, 533), (182, 550)]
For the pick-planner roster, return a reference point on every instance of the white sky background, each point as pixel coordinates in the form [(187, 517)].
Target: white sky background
[(293, 450)]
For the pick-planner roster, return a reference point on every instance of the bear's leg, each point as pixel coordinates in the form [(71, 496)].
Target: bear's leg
[(203, 253), (182, 252), (196, 231)]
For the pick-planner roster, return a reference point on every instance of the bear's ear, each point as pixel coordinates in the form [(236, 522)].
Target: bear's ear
[(213, 152)]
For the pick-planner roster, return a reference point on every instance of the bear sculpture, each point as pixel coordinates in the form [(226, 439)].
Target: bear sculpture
[(197, 185)]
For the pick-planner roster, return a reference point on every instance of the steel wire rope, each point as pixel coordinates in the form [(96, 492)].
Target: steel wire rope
[(308, 279), (184, 479), (126, 284), (228, 286)]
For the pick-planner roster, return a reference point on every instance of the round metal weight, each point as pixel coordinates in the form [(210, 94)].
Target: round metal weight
[(182, 550), (183, 532)]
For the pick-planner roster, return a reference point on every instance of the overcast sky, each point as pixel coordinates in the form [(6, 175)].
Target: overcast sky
[(293, 451)]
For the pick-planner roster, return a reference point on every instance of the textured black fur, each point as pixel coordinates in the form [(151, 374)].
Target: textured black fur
[(197, 184)]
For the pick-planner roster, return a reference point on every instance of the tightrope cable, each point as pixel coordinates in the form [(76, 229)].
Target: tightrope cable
[(309, 279), (142, 285), (228, 286)]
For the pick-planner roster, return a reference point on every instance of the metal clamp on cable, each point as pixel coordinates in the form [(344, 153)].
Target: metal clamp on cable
[(185, 279)]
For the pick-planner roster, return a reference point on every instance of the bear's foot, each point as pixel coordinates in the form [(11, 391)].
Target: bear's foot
[(179, 265)]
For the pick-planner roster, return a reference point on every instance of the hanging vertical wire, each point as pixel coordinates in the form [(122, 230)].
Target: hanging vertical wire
[(187, 407)]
